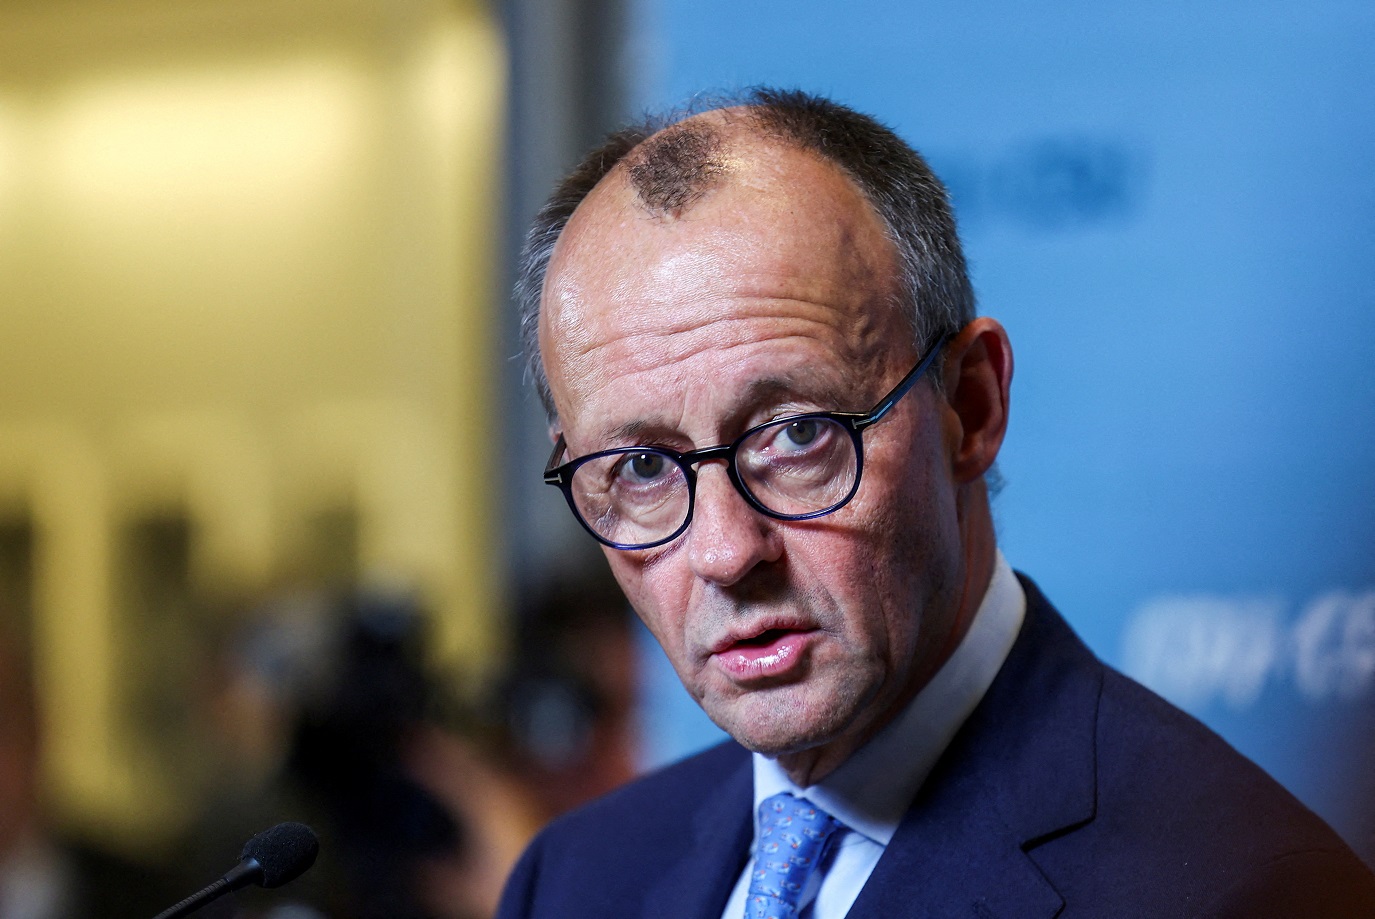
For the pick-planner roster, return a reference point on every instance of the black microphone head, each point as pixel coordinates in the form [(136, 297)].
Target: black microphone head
[(283, 852)]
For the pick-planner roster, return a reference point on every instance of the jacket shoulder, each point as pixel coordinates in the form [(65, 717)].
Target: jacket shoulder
[(672, 792), (1182, 820), (597, 860)]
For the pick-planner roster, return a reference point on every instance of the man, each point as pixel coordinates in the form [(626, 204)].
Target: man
[(774, 406)]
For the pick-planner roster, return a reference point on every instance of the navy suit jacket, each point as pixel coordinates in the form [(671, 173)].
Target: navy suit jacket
[(1071, 791)]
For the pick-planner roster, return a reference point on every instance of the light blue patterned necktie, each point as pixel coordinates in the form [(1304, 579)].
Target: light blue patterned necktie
[(792, 840)]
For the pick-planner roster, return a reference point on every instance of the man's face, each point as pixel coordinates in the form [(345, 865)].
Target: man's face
[(768, 297)]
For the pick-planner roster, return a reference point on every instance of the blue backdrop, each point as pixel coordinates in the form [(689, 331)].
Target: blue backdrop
[(1171, 206)]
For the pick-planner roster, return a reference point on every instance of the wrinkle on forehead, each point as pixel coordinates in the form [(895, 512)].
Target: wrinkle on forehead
[(663, 350), (583, 314)]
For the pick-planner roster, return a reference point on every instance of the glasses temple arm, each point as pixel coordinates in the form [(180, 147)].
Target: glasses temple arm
[(550, 476), (906, 383)]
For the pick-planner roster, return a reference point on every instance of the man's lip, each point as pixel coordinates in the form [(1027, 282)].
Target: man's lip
[(757, 634), (769, 655)]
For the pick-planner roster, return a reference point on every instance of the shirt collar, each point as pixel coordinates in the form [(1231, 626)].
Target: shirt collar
[(871, 791)]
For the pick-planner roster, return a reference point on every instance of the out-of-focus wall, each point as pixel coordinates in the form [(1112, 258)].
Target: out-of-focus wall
[(245, 342)]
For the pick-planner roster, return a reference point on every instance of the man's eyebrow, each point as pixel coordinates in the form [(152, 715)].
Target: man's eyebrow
[(805, 385), (633, 432)]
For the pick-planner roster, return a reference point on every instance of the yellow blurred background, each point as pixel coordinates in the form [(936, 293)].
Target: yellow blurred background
[(246, 339)]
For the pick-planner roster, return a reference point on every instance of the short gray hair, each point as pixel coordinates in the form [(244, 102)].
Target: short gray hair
[(671, 163)]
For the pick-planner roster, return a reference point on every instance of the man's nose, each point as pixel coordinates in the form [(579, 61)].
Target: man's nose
[(727, 537)]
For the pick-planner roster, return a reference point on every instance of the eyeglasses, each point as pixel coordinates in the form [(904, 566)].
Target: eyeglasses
[(793, 468)]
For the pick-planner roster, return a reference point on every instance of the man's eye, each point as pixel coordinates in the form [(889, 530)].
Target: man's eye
[(643, 467), (801, 433), (794, 438)]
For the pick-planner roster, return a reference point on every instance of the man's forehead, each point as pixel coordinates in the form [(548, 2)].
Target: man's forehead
[(769, 204), (782, 246)]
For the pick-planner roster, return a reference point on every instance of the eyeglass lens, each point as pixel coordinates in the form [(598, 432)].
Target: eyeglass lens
[(795, 467)]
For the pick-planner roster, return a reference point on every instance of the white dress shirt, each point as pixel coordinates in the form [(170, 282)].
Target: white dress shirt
[(871, 791)]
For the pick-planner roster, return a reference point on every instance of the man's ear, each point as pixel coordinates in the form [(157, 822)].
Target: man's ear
[(977, 375)]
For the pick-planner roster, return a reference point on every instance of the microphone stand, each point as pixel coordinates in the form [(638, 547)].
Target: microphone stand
[(241, 875)]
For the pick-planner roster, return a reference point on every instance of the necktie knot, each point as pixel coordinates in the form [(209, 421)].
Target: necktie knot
[(793, 834)]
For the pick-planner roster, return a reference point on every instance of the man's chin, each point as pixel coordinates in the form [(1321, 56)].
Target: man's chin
[(775, 730)]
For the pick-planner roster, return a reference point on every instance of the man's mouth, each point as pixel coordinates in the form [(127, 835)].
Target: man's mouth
[(763, 639), (769, 654)]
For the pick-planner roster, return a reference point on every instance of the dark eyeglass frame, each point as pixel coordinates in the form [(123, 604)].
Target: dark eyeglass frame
[(854, 423)]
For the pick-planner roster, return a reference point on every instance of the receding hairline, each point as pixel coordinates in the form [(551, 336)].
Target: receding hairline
[(732, 132)]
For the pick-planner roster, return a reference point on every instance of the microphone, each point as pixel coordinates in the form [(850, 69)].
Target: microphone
[(270, 859)]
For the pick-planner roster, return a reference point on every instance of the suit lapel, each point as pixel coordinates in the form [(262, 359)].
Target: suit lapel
[(697, 886), (938, 869), (1021, 770)]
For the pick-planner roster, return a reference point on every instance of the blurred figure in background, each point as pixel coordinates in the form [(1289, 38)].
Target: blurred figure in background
[(555, 730), (566, 702), (325, 702)]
